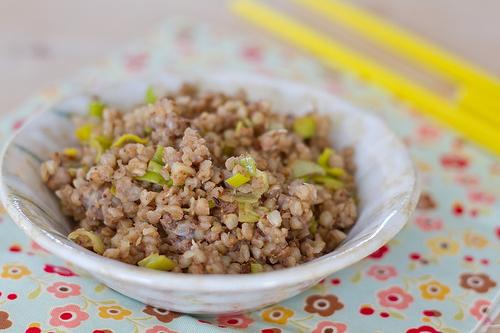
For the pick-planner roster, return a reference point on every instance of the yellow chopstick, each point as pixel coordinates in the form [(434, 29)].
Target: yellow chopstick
[(405, 44), (339, 57), (484, 87)]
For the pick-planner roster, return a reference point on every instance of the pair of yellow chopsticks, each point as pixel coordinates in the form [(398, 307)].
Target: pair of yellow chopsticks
[(475, 112)]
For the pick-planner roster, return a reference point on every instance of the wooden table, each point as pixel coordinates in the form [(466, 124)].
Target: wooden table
[(45, 41)]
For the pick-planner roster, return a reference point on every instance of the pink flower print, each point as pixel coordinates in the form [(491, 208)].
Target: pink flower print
[(236, 321), (63, 271), (480, 308), (330, 327), (382, 272), (64, 290), (159, 329), (69, 316), (394, 297), (482, 197), (428, 133), (454, 161), (467, 180), (428, 223)]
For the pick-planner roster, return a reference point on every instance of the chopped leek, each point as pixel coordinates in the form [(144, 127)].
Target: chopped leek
[(237, 180), (239, 126), (84, 132), (95, 241), (155, 166), (71, 152), (304, 127), (128, 138), (150, 97), (313, 227), (328, 182), (153, 177), (335, 172), (247, 198), (325, 157), (104, 141), (246, 213), (301, 168), (158, 156), (96, 108), (256, 268), (158, 262), (249, 164)]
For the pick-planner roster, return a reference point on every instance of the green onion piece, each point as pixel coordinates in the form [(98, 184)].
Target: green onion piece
[(150, 97), (104, 141), (249, 164), (304, 127), (301, 168), (84, 132), (335, 172), (96, 108), (325, 157), (256, 268), (88, 236), (211, 204), (247, 198), (247, 122), (71, 152), (112, 189), (313, 227), (127, 138), (239, 126), (246, 214), (237, 180), (328, 182), (72, 172), (147, 130), (158, 156), (157, 262), (98, 148), (155, 166), (152, 177)]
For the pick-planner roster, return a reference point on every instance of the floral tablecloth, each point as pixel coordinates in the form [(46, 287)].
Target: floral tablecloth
[(440, 274)]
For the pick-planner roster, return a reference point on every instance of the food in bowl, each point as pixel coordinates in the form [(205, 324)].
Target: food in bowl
[(204, 182)]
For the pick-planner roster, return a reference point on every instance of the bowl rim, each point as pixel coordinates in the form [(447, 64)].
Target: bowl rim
[(129, 274)]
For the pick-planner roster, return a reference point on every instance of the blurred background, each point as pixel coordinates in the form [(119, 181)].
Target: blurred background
[(45, 41)]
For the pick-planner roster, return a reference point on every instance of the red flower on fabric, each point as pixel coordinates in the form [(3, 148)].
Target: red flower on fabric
[(394, 297), (482, 197), (423, 329), (382, 272), (330, 327), (63, 289), (429, 224), (69, 316), (454, 161), (252, 53), (480, 308), (60, 270), (380, 253), (236, 321)]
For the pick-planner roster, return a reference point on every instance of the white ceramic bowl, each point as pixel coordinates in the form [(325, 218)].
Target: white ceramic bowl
[(386, 178)]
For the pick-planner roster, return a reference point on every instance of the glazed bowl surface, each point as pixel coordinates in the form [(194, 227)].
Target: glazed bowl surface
[(386, 178)]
